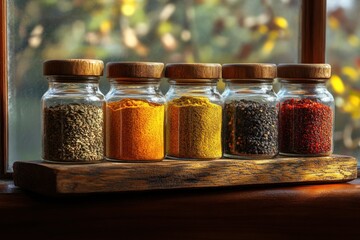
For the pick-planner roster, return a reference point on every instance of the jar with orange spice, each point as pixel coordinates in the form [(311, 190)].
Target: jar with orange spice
[(134, 112)]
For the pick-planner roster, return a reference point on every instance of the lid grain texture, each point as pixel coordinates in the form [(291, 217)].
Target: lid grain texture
[(134, 70), (249, 71), (193, 71), (304, 71), (77, 67)]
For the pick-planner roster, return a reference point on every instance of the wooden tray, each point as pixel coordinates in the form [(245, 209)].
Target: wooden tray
[(60, 179)]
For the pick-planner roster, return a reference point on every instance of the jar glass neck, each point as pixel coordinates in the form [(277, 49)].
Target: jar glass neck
[(312, 88), (136, 87), (133, 85), (192, 84), (71, 87), (193, 88), (262, 87), (73, 79), (310, 85)]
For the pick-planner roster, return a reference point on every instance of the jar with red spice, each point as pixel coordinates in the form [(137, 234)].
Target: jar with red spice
[(306, 111)]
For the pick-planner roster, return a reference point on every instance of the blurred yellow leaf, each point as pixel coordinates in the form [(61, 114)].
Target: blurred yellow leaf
[(353, 40), (354, 100), (354, 106), (347, 107), (355, 115), (164, 28), (350, 72), (268, 46), (128, 7), (333, 22), (105, 26), (273, 35), (337, 84), (221, 85), (281, 22), (270, 43), (263, 29)]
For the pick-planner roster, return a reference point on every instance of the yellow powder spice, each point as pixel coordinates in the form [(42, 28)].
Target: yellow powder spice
[(134, 130), (193, 128)]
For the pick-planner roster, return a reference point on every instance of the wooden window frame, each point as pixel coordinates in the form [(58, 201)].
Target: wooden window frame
[(4, 95), (311, 50)]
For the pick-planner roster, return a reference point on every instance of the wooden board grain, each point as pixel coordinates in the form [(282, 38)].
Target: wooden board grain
[(59, 179)]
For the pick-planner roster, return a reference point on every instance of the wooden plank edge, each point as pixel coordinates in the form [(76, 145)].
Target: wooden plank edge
[(35, 178), (72, 179)]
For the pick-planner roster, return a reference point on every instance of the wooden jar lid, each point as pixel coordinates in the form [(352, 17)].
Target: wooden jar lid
[(248, 71), (193, 71), (77, 67), (136, 70), (304, 71)]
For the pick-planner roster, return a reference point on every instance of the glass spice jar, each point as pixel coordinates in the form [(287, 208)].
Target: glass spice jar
[(72, 115), (250, 119), (306, 114), (194, 111), (134, 112)]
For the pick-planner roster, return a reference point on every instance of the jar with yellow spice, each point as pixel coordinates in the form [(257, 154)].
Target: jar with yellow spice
[(134, 112), (194, 111)]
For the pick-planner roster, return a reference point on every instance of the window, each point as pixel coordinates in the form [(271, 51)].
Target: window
[(343, 45), (165, 31)]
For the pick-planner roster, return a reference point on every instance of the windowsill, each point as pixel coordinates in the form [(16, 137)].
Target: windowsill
[(262, 212)]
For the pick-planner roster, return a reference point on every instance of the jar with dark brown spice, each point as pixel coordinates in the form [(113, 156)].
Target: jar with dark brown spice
[(250, 111), (72, 114)]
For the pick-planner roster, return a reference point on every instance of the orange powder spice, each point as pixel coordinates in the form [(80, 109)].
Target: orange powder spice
[(134, 130)]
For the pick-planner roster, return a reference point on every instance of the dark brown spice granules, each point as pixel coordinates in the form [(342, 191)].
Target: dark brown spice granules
[(305, 127), (250, 129)]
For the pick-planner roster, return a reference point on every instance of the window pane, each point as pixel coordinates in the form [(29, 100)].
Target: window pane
[(343, 47), (134, 30)]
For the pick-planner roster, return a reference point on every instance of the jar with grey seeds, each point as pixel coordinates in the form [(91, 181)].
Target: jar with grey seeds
[(72, 111)]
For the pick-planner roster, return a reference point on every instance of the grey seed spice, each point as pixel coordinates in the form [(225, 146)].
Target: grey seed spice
[(73, 133), (250, 129)]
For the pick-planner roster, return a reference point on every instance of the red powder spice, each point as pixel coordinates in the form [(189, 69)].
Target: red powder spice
[(305, 127)]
